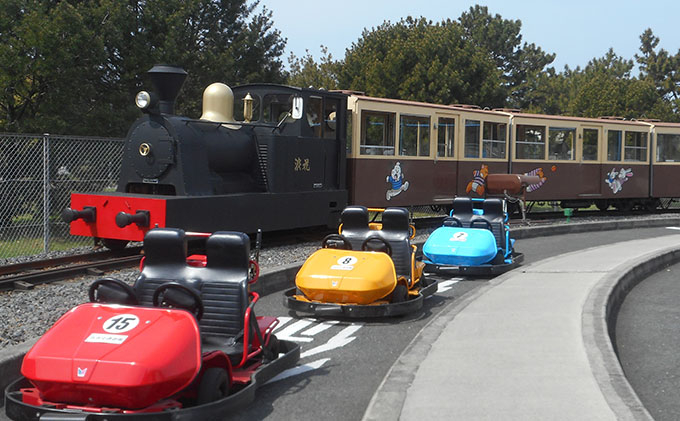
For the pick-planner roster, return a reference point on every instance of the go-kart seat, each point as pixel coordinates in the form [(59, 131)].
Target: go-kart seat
[(165, 251), (396, 231), (462, 209), (493, 212), (355, 225), (225, 285)]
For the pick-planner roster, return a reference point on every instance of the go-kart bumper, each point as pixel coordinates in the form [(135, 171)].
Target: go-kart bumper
[(17, 410), (358, 310), (480, 270)]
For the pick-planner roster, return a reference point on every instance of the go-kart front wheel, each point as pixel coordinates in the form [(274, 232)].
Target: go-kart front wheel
[(214, 385)]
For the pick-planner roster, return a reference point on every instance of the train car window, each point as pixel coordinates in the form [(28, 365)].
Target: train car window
[(275, 106), (614, 145), (414, 136), (561, 143), (377, 133), (668, 147), (446, 129), (590, 142), (635, 148), (314, 114), (238, 107), (530, 142), (330, 113), (493, 140), (472, 138)]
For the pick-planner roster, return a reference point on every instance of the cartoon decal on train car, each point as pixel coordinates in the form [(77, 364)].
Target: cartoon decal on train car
[(539, 173), (396, 179), (478, 180), (616, 179)]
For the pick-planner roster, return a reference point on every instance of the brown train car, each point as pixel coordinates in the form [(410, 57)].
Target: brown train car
[(403, 153)]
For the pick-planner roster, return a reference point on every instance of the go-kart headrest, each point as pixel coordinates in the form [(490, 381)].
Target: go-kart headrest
[(165, 245), (228, 249), (493, 208), (396, 220), (354, 218), (462, 206)]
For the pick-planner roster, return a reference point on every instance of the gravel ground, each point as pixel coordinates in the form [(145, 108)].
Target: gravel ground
[(25, 315)]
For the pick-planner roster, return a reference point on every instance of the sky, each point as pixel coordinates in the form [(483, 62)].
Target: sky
[(576, 31)]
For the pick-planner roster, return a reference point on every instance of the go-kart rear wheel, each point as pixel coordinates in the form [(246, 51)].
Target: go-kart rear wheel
[(273, 349), (400, 294), (214, 385)]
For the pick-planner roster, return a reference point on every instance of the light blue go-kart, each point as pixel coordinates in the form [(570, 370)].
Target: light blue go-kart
[(473, 240)]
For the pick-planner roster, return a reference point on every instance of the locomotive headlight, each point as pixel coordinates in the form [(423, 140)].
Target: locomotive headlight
[(143, 100)]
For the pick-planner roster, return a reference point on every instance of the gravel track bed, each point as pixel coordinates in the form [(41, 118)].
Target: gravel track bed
[(26, 315)]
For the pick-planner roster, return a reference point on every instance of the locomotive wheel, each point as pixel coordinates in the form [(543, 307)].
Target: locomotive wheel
[(214, 385), (602, 206), (112, 244)]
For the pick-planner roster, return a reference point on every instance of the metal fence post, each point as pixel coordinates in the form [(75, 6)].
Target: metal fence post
[(46, 192)]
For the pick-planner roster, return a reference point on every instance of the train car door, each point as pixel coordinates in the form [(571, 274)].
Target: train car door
[(590, 147)]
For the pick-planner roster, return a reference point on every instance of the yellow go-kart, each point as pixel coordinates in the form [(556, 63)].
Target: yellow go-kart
[(366, 270)]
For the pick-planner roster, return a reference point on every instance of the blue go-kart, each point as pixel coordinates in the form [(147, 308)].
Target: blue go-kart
[(473, 240)]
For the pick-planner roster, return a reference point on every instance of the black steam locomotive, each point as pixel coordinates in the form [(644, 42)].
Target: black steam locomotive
[(276, 162)]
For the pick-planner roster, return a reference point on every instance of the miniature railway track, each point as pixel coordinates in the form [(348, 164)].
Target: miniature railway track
[(27, 275)]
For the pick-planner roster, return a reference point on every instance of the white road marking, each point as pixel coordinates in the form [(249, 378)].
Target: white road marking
[(287, 333), (341, 339), (282, 321), (320, 328), (304, 368), (673, 228), (447, 285)]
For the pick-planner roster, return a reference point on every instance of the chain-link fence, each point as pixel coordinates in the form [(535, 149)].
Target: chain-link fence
[(38, 173)]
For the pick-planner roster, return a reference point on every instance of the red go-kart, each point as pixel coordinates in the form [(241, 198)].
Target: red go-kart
[(182, 343)]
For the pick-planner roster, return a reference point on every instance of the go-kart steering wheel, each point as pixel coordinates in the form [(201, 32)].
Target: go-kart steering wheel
[(112, 291), (374, 238), (179, 301), (331, 240)]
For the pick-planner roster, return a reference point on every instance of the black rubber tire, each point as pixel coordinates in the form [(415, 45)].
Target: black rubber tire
[(112, 244), (214, 386), (273, 348), (400, 294), (602, 206)]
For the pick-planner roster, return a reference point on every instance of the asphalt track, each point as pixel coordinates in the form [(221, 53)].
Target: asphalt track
[(648, 340), (344, 362), (343, 386)]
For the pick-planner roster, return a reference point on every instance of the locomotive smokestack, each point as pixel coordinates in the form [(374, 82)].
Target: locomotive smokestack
[(167, 81)]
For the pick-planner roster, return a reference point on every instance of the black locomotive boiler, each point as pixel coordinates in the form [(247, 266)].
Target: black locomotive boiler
[(278, 164)]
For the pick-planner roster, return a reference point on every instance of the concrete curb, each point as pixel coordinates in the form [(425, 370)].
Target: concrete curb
[(274, 280), (600, 312)]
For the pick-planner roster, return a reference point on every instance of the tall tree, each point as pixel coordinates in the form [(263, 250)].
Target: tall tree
[(501, 40), (417, 60), (304, 71), (75, 65), (659, 67)]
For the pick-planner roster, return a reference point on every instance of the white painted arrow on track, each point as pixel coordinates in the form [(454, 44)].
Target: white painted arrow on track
[(447, 285), (304, 368)]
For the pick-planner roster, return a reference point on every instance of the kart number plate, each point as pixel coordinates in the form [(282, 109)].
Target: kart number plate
[(106, 338)]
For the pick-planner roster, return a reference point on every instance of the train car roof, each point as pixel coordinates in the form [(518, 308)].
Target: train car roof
[(511, 112), (460, 107), (288, 88)]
